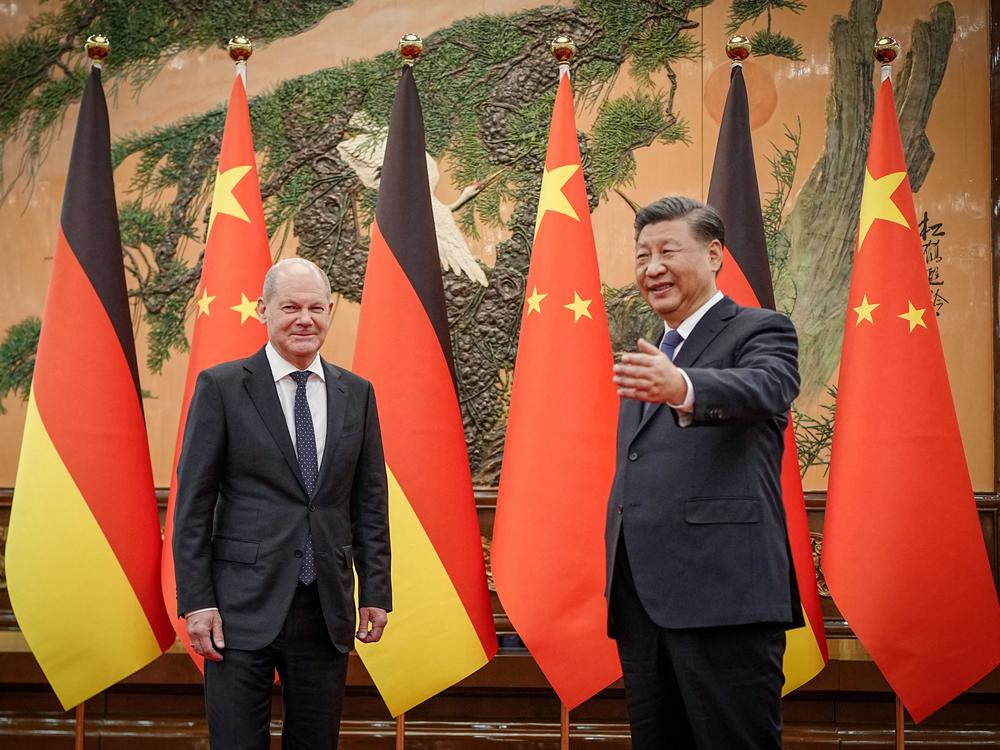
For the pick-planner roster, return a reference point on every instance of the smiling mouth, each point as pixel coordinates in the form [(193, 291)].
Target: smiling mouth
[(660, 288)]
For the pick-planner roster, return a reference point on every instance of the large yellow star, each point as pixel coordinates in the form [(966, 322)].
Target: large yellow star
[(223, 200), (204, 302), (552, 197), (913, 316), (247, 309), (864, 310), (535, 301), (579, 307), (876, 203)]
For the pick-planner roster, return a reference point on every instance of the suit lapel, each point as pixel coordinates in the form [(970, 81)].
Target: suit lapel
[(711, 325), (260, 385), (336, 409)]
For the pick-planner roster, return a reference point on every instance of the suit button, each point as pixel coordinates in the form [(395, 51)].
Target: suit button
[(620, 510), (633, 456), (311, 507), (298, 553)]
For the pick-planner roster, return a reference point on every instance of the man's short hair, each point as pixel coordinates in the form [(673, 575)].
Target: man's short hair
[(705, 222), (271, 277)]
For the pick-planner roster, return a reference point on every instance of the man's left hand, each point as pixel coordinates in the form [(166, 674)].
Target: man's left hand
[(371, 623), (649, 375)]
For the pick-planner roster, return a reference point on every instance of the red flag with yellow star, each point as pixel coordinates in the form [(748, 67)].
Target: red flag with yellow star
[(903, 550), (548, 535), (237, 256)]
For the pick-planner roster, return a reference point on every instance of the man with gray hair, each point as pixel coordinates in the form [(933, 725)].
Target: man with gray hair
[(281, 494), (700, 585)]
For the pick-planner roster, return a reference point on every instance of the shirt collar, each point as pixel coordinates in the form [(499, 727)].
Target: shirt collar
[(281, 367), (688, 324)]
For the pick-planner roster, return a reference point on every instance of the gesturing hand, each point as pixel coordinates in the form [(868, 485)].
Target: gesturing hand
[(649, 375)]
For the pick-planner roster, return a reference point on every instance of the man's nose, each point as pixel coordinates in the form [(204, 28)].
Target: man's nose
[(655, 267)]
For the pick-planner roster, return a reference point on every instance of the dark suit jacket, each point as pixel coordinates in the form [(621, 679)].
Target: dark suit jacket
[(699, 507), (242, 512)]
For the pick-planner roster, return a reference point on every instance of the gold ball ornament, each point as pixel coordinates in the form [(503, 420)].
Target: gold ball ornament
[(738, 48), (411, 47), (563, 49), (886, 50), (98, 47), (239, 48)]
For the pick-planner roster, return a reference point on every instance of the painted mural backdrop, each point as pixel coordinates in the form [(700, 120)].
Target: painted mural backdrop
[(650, 82)]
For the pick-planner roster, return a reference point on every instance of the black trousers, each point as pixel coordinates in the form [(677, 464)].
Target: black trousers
[(313, 675), (696, 689)]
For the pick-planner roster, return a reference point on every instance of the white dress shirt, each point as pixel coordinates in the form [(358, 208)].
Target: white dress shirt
[(281, 370), (685, 409)]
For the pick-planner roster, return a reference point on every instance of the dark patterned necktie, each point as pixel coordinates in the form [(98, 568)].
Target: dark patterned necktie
[(668, 345), (305, 449)]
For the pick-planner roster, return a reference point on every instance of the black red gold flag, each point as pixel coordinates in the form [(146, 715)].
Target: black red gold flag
[(746, 278), (441, 628), (84, 541)]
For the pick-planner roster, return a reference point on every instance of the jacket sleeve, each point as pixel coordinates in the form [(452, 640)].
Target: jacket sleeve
[(370, 516), (199, 473), (761, 383)]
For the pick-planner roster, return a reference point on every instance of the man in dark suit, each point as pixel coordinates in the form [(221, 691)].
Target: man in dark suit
[(281, 493), (700, 587)]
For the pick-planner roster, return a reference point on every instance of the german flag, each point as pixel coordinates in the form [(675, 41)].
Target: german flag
[(559, 458), (441, 628), (84, 546), (226, 326), (903, 550), (746, 278)]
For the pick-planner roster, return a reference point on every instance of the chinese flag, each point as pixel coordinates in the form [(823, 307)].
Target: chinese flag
[(559, 457), (903, 550), (84, 540), (746, 278), (441, 627), (237, 256)]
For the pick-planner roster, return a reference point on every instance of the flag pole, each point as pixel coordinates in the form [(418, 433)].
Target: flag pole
[(401, 731), (240, 48), (900, 729), (80, 727), (563, 726), (98, 48), (886, 50)]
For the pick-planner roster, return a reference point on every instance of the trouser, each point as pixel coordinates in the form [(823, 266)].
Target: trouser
[(713, 688), (313, 674)]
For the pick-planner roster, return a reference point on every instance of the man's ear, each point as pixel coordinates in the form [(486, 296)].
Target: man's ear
[(715, 255), (261, 309)]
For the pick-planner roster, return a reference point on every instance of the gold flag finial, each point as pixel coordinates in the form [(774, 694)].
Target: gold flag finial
[(886, 50), (239, 48), (738, 48), (98, 48), (411, 47), (563, 49)]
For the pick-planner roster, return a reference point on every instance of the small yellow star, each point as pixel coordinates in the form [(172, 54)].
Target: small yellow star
[(914, 316), (552, 197), (247, 309), (223, 200), (535, 301), (864, 310), (579, 307), (204, 302), (876, 202)]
